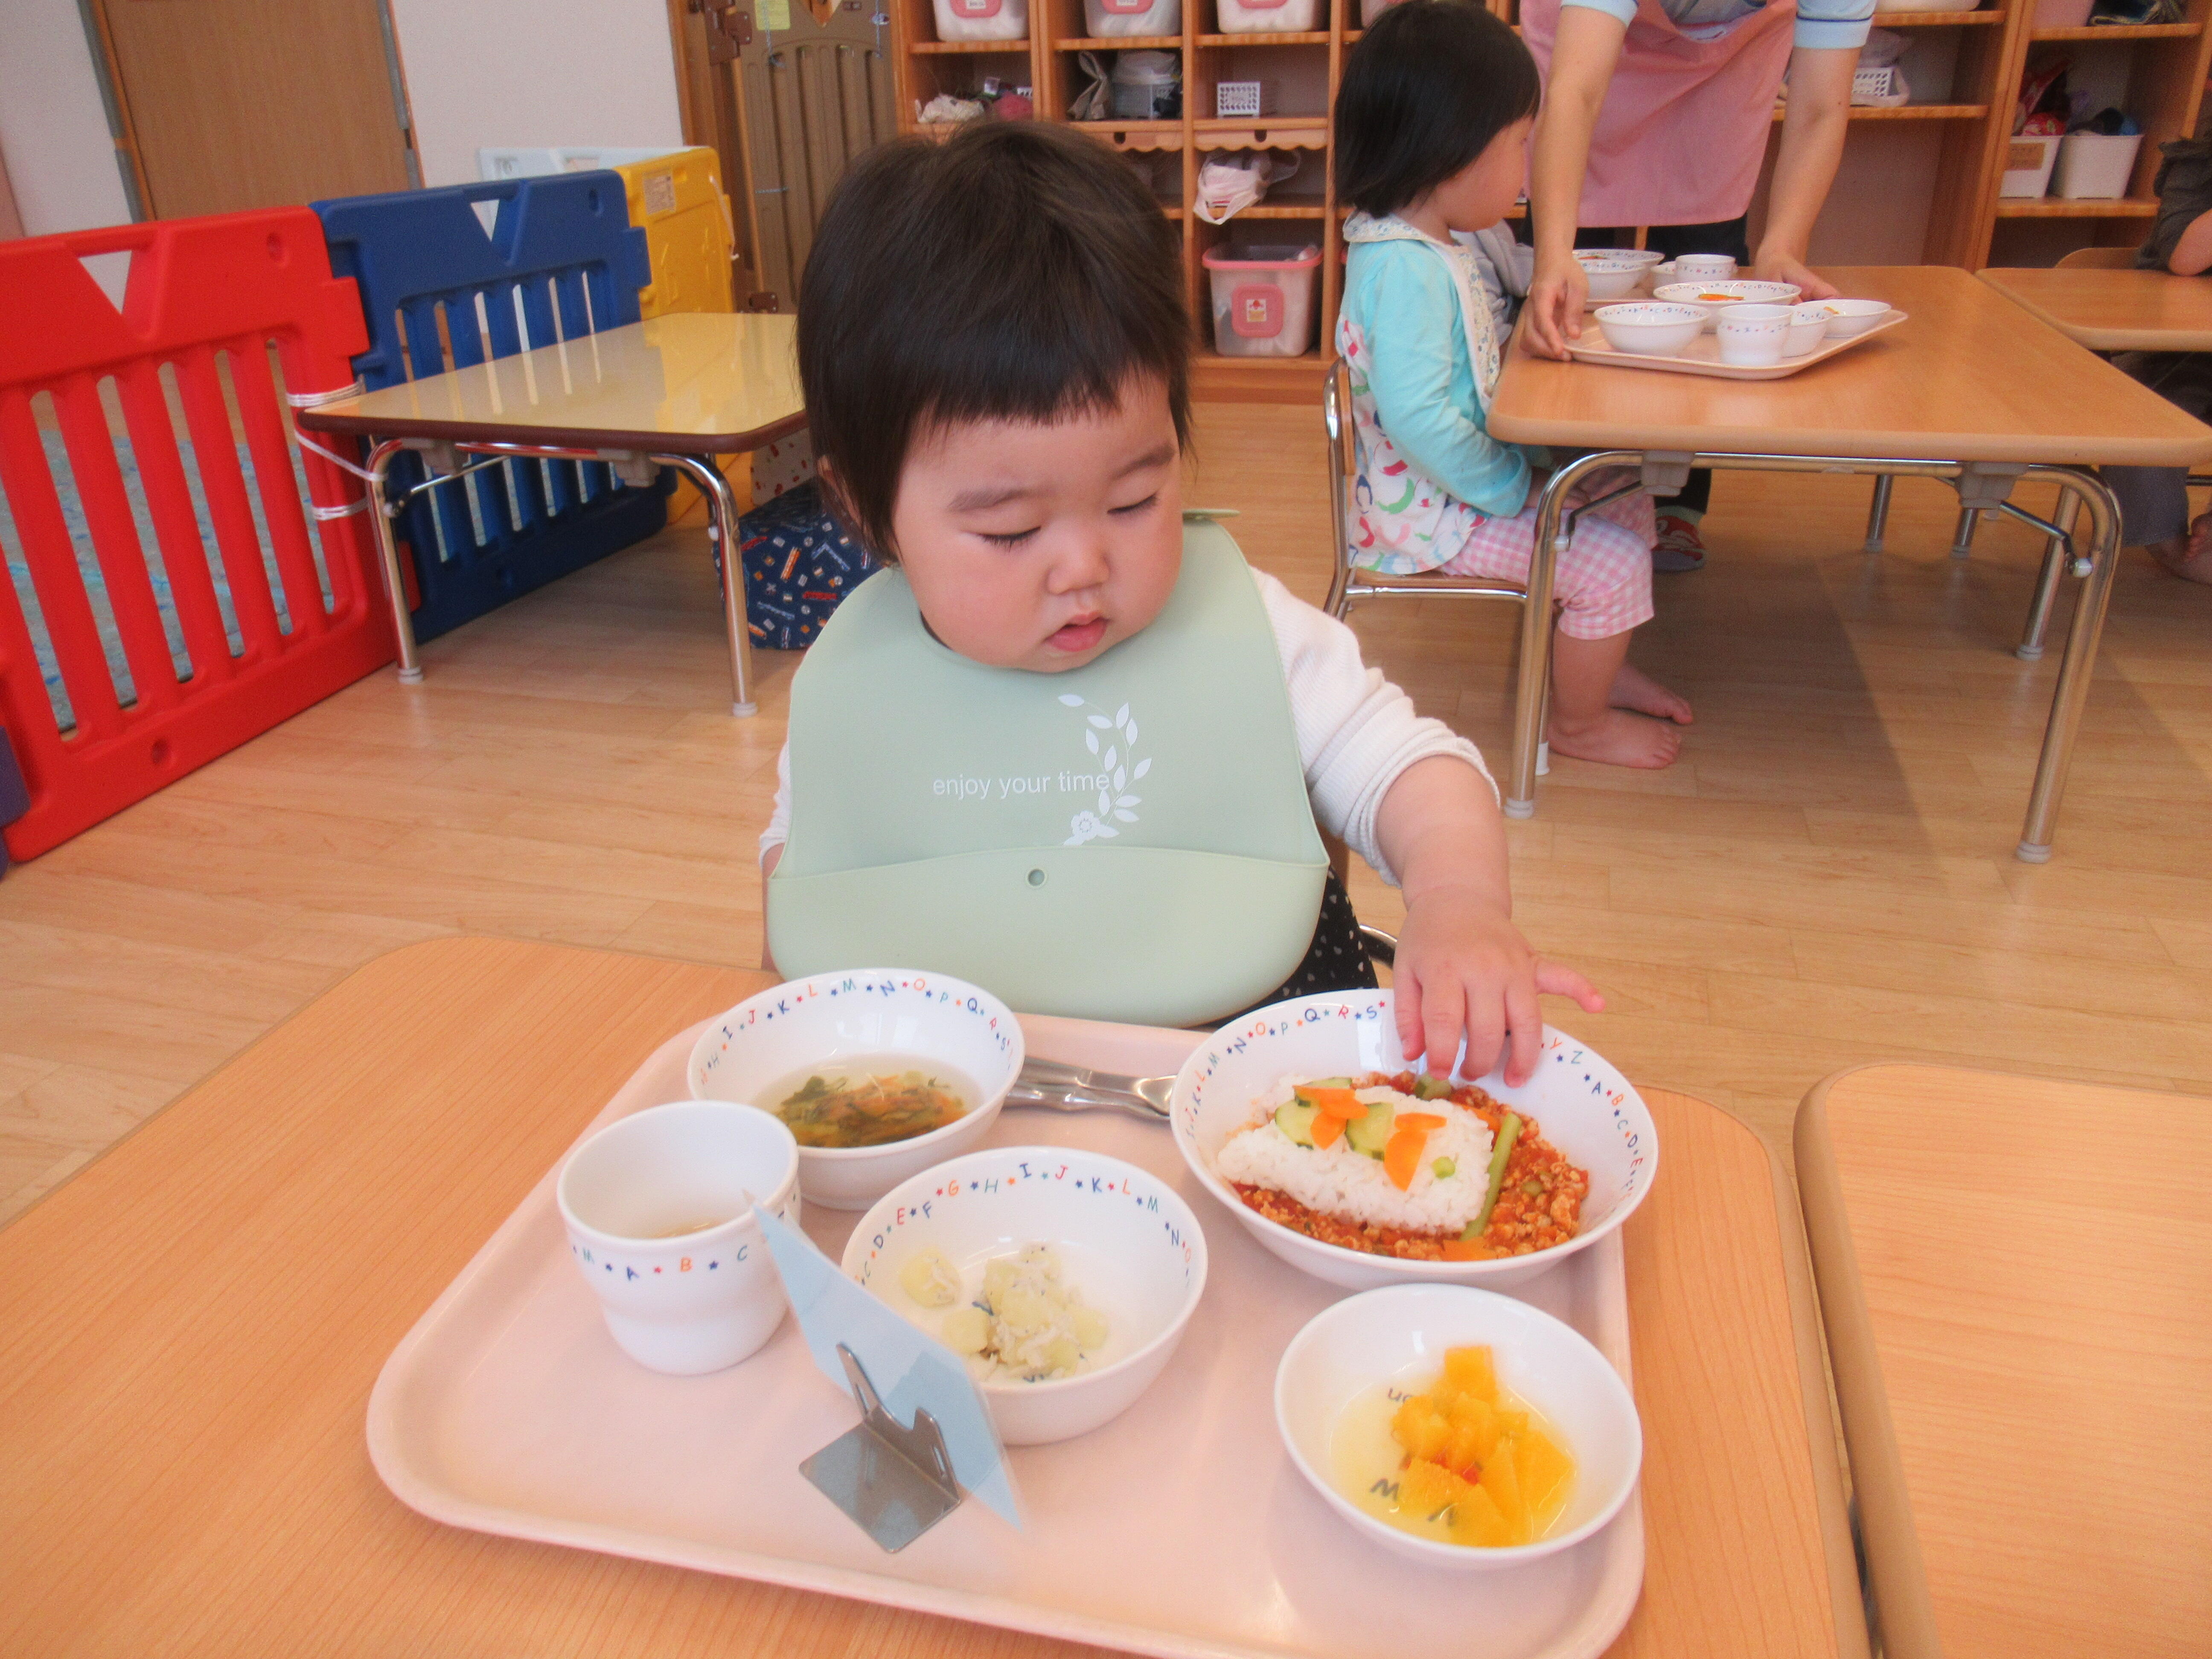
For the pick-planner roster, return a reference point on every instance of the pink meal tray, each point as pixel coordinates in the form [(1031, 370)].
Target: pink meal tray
[(1180, 1529)]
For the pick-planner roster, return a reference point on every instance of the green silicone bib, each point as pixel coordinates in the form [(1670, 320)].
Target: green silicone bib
[(1128, 841)]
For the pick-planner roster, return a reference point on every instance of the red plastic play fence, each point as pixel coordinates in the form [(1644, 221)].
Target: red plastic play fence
[(207, 302)]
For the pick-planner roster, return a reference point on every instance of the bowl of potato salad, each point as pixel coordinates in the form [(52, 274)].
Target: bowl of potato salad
[(1063, 1278)]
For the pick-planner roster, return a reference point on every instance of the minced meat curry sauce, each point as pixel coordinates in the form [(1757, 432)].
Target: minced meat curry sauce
[(1539, 1200)]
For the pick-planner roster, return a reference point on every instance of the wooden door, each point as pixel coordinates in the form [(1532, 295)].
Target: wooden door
[(816, 91), (256, 103)]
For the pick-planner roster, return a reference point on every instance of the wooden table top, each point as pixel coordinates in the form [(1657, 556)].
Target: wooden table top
[(692, 383), (189, 1328), (2016, 1275), (1967, 378), (2115, 310)]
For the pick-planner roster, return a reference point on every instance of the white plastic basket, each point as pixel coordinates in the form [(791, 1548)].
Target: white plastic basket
[(2095, 166), (1267, 16), (1239, 99), (1104, 18), (1263, 300), (2028, 164), (983, 20)]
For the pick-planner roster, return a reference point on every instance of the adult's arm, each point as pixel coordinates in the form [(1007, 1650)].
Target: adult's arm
[(1583, 56), (1812, 135)]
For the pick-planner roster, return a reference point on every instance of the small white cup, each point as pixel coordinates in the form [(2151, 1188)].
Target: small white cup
[(1752, 337), (1704, 267), (680, 1296)]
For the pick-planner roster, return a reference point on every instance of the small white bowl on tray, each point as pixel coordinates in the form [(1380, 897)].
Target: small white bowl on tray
[(863, 1013), (1584, 1107), (1398, 1337), (1644, 256), (1613, 278), (1127, 1243), (1649, 327), (1850, 318), (1730, 291)]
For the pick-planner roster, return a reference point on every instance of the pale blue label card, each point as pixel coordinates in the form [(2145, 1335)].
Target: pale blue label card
[(907, 1368)]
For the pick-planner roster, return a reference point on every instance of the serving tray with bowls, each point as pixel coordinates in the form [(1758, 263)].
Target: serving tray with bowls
[(1183, 1524), (1701, 353)]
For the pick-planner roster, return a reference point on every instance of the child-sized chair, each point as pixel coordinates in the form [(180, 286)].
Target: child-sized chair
[(451, 277), (1349, 580)]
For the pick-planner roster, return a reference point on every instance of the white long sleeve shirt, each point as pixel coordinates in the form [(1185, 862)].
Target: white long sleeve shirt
[(1357, 731)]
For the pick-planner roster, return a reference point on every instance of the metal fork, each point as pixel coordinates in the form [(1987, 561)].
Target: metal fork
[(1063, 1088)]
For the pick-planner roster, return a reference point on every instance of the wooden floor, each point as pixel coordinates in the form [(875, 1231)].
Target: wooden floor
[(1825, 879)]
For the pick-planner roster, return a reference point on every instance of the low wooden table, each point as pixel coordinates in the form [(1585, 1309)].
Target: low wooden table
[(189, 1327), (1969, 390), (2016, 1277), (2114, 310), (671, 391)]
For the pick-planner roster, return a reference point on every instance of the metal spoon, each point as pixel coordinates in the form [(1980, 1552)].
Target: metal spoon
[(1063, 1088)]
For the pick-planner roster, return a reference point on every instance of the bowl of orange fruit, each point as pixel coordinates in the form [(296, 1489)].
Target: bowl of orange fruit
[(1457, 1426)]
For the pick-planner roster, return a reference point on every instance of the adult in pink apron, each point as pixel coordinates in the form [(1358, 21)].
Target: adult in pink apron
[(1662, 125)]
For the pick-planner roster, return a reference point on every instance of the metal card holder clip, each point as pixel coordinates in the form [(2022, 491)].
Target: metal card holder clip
[(895, 1481)]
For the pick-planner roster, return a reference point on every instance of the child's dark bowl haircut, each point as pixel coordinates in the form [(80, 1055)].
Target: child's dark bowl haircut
[(1014, 273), (1430, 84)]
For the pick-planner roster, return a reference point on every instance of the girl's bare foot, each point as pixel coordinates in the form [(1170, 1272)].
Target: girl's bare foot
[(2191, 560), (1619, 738), (1634, 689)]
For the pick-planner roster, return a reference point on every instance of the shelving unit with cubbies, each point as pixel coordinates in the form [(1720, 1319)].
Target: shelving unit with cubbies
[(2156, 74), (1301, 68), (1988, 50)]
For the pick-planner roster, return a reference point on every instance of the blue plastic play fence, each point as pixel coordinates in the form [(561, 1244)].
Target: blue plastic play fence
[(450, 278)]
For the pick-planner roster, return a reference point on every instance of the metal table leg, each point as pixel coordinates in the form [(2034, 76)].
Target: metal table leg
[(2075, 667), (1878, 513), (395, 587), (721, 530)]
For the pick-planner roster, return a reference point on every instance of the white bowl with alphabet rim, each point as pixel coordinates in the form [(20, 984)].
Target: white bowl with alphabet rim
[(754, 1053), (1581, 1103), (1127, 1243)]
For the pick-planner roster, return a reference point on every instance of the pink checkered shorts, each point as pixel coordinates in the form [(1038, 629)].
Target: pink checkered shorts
[(1603, 584)]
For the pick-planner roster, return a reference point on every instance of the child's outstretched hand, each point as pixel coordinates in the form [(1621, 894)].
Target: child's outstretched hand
[(1463, 967)]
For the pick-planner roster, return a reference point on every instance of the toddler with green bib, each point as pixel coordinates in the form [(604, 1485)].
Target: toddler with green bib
[(1068, 745)]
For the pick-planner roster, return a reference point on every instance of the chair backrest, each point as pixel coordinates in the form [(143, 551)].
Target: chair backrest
[(2099, 258), (1343, 461)]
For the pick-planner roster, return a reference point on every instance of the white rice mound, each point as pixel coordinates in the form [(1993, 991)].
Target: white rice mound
[(1338, 1182)]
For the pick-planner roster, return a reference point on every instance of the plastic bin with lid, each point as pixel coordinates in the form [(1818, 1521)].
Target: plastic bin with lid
[(983, 20), (1112, 19), (1269, 16), (1263, 299)]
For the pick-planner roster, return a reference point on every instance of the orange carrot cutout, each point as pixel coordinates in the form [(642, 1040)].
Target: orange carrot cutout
[(1401, 1157), (1325, 1129), (1339, 1103)]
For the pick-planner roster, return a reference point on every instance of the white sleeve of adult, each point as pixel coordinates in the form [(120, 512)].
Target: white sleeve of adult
[(1357, 731), (779, 820)]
